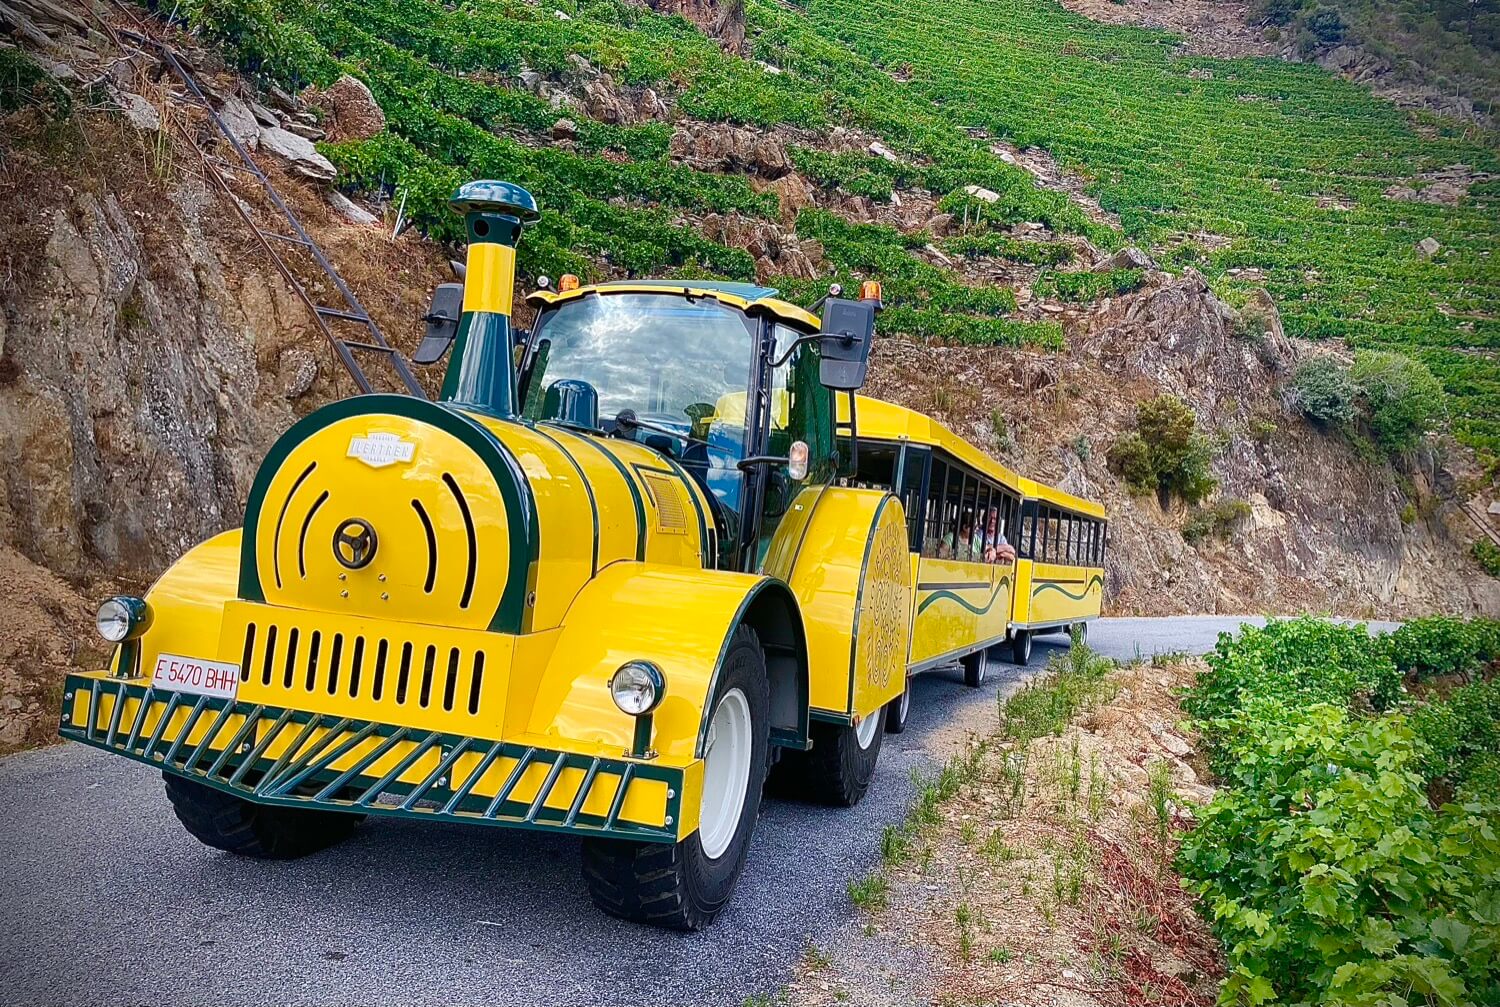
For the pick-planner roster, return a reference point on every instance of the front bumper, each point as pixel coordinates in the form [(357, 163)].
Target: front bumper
[(273, 755)]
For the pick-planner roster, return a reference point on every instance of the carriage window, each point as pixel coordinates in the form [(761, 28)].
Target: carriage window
[(913, 473), (937, 485)]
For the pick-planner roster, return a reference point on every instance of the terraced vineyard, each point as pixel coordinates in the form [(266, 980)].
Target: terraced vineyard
[(1287, 163), (1257, 171), (446, 79)]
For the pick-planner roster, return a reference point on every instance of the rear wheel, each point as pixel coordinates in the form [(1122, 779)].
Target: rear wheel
[(840, 766), (264, 831), (685, 885), (1079, 631), (976, 668), (897, 710), (1020, 646)]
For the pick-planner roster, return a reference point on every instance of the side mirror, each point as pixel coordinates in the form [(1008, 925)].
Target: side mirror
[(442, 323), (848, 333)]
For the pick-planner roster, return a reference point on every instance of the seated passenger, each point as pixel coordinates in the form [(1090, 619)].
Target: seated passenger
[(997, 549)]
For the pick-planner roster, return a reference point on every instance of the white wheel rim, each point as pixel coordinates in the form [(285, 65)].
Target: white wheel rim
[(905, 700), (726, 773), (866, 731)]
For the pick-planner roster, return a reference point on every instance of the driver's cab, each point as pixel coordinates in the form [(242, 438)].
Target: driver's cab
[(725, 379)]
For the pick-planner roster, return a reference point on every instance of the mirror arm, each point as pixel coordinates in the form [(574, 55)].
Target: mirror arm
[(756, 461), (816, 338)]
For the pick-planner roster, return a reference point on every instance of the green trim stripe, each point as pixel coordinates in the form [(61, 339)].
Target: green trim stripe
[(635, 491), (588, 488), (1050, 586), (951, 596)]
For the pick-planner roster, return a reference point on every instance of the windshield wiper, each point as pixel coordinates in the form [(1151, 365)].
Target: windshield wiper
[(627, 420)]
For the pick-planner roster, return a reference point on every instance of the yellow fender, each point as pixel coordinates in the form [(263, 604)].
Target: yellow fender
[(682, 620), (836, 544)]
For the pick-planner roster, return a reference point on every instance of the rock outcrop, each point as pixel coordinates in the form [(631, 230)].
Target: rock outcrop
[(730, 149)]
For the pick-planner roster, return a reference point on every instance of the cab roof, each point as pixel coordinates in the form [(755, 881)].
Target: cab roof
[(886, 421), (748, 297)]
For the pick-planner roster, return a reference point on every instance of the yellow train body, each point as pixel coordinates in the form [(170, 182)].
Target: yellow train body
[(430, 605)]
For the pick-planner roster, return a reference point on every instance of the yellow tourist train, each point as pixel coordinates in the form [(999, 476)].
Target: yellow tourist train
[(628, 563)]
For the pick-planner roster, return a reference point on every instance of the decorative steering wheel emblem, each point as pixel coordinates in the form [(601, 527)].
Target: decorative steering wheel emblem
[(354, 543)]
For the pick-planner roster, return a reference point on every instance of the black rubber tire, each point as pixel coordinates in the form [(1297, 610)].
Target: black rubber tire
[(897, 710), (263, 831), (676, 886), (1020, 647), (836, 772), (976, 668), (1080, 631)]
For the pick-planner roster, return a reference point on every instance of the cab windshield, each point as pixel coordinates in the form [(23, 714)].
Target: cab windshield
[(679, 363), (673, 360)]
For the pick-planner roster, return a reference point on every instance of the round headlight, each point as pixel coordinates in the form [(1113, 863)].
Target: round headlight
[(119, 619), (637, 687)]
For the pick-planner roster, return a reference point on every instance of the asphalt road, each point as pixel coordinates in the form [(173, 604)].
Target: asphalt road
[(105, 899)]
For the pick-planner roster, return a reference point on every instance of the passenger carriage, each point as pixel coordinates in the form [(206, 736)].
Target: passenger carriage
[(961, 504), (615, 574)]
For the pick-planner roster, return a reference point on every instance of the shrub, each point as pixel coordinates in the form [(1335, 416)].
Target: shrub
[(1459, 732), (1216, 521), (23, 83), (1325, 27), (1442, 645), (1278, 12), (1166, 453), (1296, 662), (1402, 401), (1330, 880), (1487, 556), (1324, 391)]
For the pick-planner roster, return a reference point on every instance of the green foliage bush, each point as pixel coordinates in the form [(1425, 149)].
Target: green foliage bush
[(1487, 555), (1459, 730), (1217, 521), (23, 84), (1292, 662), (1443, 645), (1324, 29), (1323, 390), (1165, 454), (1329, 878), (1402, 400)]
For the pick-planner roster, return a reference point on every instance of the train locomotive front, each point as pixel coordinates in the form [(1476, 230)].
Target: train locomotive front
[(499, 608)]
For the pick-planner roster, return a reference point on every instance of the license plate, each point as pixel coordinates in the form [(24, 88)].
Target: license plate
[(196, 676)]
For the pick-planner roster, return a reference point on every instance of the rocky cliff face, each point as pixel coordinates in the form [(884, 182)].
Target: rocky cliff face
[(135, 413), (1321, 529)]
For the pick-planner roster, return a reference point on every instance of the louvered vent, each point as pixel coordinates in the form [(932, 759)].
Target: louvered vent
[(671, 509)]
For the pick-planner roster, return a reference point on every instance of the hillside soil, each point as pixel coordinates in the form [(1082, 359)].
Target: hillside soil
[(1046, 881)]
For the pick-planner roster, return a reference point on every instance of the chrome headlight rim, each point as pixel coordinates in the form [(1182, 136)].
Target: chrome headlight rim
[(637, 687), (122, 618)]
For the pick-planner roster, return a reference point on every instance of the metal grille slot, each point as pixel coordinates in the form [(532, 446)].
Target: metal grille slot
[(351, 664)]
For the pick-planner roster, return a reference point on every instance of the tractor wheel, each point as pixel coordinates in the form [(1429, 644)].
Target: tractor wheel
[(264, 831), (840, 766), (897, 710), (1020, 647), (685, 885), (976, 668)]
